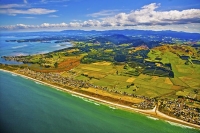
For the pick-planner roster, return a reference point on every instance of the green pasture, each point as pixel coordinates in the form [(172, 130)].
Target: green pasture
[(143, 84), (191, 92), (152, 87)]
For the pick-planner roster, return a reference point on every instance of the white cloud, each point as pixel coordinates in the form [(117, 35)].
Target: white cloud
[(45, 25), (48, 25), (74, 24), (42, 26), (102, 26), (53, 16), (151, 7), (29, 17), (174, 27), (25, 1), (12, 6), (104, 13), (53, 1), (147, 17), (91, 23), (34, 11)]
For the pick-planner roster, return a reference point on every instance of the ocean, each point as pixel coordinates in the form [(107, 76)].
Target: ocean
[(30, 107)]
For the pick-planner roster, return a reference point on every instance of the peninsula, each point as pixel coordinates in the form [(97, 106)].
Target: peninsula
[(152, 77)]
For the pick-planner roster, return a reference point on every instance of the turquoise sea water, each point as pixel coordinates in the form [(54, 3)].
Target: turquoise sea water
[(28, 107)]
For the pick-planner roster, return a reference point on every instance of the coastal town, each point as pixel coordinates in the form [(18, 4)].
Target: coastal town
[(176, 108)]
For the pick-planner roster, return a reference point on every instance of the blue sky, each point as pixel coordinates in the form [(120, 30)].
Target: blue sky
[(41, 15)]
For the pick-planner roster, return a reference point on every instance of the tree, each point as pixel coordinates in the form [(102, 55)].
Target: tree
[(195, 91), (56, 65), (120, 58)]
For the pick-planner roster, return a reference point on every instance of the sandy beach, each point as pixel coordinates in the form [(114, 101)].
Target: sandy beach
[(152, 113)]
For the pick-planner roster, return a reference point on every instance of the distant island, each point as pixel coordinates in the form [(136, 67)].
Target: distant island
[(156, 74)]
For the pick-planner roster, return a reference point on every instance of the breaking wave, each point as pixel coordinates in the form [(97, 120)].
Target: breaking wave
[(179, 125)]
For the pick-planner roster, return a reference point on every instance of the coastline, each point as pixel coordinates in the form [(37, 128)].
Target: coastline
[(149, 113)]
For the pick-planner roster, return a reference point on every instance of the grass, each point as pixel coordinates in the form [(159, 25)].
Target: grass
[(80, 77), (189, 92), (106, 74), (152, 86), (130, 80), (144, 84), (168, 81)]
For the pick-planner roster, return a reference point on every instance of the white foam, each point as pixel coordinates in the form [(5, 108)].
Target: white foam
[(38, 83), (112, 107), (153, 118), (14, 75), (91, 101), (180, 125), (77, 96), (87, 100), (97, 104), (73, 95), (23, 77)]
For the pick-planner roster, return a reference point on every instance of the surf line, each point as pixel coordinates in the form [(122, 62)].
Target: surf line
[(145, 112)]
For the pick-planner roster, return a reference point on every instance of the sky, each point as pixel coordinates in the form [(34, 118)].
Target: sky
[(56, 15)]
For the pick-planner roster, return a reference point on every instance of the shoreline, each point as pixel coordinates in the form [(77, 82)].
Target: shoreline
[(149, 113)]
